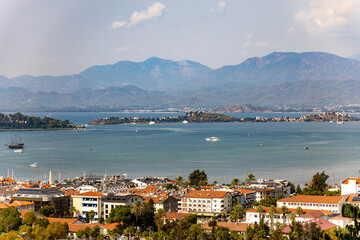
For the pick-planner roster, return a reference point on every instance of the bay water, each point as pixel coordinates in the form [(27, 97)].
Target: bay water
[(172, 149)]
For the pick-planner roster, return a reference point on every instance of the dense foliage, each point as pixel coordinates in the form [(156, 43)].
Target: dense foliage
[(20, 121)]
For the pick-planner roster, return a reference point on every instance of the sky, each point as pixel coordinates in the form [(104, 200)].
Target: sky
[(53, 37)]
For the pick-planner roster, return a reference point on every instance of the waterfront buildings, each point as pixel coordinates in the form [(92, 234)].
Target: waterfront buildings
[(111, 201), (350, 185)]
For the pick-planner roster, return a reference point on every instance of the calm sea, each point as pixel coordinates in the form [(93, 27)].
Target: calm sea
[(167, 150)]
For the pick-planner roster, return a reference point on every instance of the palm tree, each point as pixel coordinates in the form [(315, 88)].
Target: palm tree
[(72, 211), (236, 213), (292, 217), (91, 215), (235, 182), (272, 212), (179, 178), (299, 211), (137, 210), (284, 210), (251, 177), (260, 210)]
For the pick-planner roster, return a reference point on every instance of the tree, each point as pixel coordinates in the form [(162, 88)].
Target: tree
[(212, 223), (148, 214), (9, 219), (121, 214), (179, 178), (91, 215), (48, 211), (29, 218), (159, 219), (259, 210), (43, 222), (272, 212), (284, 210), (222, 233), (80, 233), (55, 230), (250, 177), (95, 232), (137, 210), (236, 213), (298, 189), (72, 211), (299, 211), (197, 178), (235, 182), (317, 185)]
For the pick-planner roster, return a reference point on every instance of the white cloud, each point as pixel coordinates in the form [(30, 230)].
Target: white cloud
[(116, 24), (154, 11), (125, 48), (250, 43), (220, 8), (325, 15)]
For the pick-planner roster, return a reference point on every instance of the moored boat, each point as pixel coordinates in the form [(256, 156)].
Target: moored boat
[(34, 165), (212, 139)]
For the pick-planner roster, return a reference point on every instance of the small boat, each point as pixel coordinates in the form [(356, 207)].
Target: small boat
[(185, 121), (212, 139), (260, 144), (306, 148), (34, 165), (19, 150), (151, 122)]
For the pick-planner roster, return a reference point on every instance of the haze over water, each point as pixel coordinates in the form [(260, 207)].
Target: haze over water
[(167, 150)]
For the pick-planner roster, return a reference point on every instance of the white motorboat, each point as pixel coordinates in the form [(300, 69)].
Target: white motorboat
[(34, 165), (185, 121), (212, 139), (19, 150), (151, 122)]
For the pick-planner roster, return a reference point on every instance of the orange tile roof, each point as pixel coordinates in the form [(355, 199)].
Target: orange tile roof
[(91, 194), (70, 192), (110, 226), (206, 194), (17, 203), (246, 191), (2, 206), (150, 189), (176, 215), (157, 200), (346, 181), (313, 199), (239, 227), (63, 220), (305, 211)]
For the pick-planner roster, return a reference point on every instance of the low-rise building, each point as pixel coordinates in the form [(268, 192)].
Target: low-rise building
[(350, 185), (166, 203), (329, 203), (111, 201), (86, 202), (44, 196), (206, 202)]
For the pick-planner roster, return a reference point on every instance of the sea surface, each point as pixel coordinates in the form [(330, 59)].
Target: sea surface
[(172, 149)]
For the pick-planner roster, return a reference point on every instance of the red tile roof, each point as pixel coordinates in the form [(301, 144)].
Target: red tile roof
[(346, 181), (305, 211), (206, 194), (176, 215), (313, 199), (239, 227), (91, 194), (323, 224)]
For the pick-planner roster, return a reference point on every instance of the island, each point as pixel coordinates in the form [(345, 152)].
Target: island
[(18, 121), (202, 117)]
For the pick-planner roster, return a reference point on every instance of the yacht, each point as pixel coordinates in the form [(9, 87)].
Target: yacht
[(34, 165), (212, 139), (19, 150)]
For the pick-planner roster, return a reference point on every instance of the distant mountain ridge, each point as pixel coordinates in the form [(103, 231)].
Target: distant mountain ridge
[(277, 78)]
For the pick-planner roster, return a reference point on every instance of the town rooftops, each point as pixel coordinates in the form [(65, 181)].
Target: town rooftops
[(90, 194), (346, 181), (238, 227), (206, 194), (313, 199), (322, 223), (305, 211), (119, 199), (38, 192), (176, 215)]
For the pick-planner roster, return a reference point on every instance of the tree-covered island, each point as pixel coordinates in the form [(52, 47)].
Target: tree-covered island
[(18, 121), (202, 117)]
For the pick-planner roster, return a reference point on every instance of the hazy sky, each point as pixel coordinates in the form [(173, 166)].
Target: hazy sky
[(40, 37)]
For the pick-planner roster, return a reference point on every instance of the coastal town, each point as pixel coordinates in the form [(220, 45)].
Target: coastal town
[(115, 207)]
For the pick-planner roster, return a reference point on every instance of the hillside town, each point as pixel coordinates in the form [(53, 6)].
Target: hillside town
[(115, 207)]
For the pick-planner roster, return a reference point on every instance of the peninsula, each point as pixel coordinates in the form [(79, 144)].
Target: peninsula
[(201, 117), (18, 121)]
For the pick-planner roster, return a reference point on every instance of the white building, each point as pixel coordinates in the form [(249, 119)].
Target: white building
[(350, 186), (329, 203), (206, 202)]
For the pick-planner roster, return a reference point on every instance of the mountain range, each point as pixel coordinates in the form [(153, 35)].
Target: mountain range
[(278, 78)]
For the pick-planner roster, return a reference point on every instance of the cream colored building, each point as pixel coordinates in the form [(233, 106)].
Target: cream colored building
[(87, 201)]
